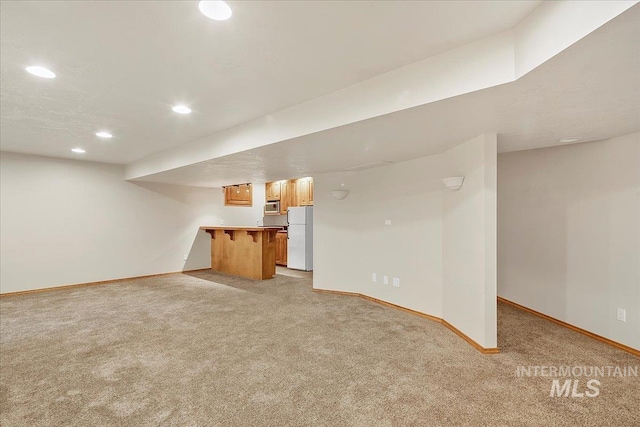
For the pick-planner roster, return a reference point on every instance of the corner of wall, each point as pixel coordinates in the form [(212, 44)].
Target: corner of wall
[(469, 241)]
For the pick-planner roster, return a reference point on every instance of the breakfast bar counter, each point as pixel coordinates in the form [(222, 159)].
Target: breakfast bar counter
[(243, 251)]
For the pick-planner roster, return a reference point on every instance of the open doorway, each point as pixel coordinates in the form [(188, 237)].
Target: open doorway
[(569, 237)]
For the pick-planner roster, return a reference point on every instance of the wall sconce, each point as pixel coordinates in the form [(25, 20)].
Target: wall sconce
[(454, 183), (339, 194)]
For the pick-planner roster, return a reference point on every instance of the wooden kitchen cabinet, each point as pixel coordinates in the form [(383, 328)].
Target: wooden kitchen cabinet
[(238, 195), (285, 197), (304, 192), (272, 191), (292, 193), (281, 248)]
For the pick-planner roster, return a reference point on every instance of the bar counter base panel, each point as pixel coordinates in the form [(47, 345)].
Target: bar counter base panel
[(248, 252)]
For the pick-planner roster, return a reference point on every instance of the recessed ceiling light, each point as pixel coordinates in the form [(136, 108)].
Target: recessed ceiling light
[(181, 109), (78, 150), (41, 72), (104, 135), (569, 139), (218, 10)]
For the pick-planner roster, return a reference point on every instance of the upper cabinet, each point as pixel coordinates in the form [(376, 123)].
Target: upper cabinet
[(272, 191), (304, 191), (285, 196), (238, 195), (292, 193)]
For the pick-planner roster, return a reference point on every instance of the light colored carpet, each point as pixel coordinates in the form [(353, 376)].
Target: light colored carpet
[(208, 350)]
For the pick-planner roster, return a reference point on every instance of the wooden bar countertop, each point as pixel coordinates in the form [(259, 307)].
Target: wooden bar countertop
[(221, 227), (243, 251)]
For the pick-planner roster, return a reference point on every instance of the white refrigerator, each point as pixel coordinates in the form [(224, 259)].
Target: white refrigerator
[(300, 235)]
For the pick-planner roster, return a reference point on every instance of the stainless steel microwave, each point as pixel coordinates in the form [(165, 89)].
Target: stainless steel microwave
[(272, 208)]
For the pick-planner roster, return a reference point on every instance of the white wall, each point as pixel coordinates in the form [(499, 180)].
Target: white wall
[(242, 216), (351, 240), (336, 263), (469, 241), (64, 222), (569, 234)]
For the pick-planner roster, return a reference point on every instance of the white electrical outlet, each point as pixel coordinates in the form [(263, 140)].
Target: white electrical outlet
[(396, 282), (622, 315), (222, 222), (385, 280), (186, 256), (387, 222), (374, 277)]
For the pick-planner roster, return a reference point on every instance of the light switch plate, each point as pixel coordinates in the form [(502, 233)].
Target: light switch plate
[(387, 222), (374, 277), (385, 280), (396, 282)]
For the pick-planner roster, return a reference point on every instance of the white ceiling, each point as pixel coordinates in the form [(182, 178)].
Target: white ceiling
[(122, 64), (591, 90)]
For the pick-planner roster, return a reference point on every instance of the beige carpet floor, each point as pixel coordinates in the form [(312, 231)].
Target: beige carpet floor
[(210, 350)]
